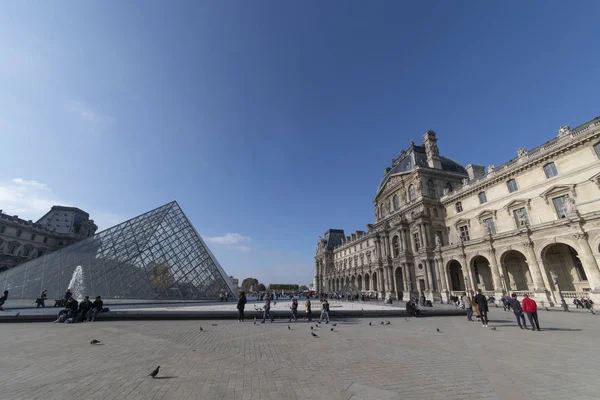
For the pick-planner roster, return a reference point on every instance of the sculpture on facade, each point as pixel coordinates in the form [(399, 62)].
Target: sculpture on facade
[(569, 206), (491, 168), (465, 181), (521, 152), (438, 242), (564, 130)]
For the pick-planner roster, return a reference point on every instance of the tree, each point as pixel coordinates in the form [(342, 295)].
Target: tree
[(303, 287), (248, 283), (261, 287)]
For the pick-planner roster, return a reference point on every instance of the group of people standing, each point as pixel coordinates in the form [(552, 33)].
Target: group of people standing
[(479, 305), (241, 305)]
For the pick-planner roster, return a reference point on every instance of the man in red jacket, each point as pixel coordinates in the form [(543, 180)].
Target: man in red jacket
[(530, 308)]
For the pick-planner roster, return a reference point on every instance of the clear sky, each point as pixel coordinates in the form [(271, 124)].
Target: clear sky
[(272, 121)]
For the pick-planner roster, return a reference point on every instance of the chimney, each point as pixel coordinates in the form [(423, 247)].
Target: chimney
[(475, 171), (431, 149)]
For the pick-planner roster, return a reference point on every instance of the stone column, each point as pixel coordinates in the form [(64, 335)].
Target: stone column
[(423, 241), (534, 268), (402, 239), (495, 271), (589, 262), (466, 267)]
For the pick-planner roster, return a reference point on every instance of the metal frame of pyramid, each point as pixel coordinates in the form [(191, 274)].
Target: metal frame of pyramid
[(157, 255)]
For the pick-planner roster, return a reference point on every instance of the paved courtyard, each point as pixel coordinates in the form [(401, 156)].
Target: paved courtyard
[(408, 359)]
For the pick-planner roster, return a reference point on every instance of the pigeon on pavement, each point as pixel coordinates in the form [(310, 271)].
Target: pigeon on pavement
[(314, 334), (333, 324), (289, 328), (155, 372), (201, 330), (94, 341), (370, 323), (387, 322)]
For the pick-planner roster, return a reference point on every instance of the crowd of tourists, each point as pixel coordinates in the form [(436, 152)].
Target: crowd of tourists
[(294, 303), (478, 306), (75, 311), (583, 303)]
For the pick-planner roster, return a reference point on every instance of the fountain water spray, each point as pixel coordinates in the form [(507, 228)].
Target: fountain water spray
[(76, 284)]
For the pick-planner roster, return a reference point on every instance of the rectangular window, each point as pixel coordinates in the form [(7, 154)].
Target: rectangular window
[(521, 217), (482, 198), (19, 232), (26, 251), (11, 248), (33, 236), (45, 239), (459, 207), (597, 147), (489, 225), (464, 233), (550, 170), (512, 185), (417, 241), (2, 228), (560, 206)]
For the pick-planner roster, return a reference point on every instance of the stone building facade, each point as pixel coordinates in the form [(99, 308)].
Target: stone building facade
[(529, 226), (22, 240)]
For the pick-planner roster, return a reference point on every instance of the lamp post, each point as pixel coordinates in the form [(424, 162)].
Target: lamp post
[(562, 300)]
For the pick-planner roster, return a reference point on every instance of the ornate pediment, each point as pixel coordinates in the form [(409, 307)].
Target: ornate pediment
[(558, 190), (486, 214), (517, 203), (393, 182), (595, 179), (463, 221)]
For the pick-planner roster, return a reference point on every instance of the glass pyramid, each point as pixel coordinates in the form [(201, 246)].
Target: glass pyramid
[(157, 255)]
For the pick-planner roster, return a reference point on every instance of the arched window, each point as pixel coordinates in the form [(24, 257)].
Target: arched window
[(459, 207), (448, 188), (396, 202), (411, 193), (550, 170), (512, 185), (396, 246), (430, 188), (482, 197)]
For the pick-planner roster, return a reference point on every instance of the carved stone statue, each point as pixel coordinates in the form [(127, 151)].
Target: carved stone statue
[(522, 152), (522, 218), (488, 230), (465, 181), (446, 191), (438, 242), (491, 168), (564, 130), (570, 207)]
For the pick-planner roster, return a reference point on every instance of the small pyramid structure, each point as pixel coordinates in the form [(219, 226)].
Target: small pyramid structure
[(157, 255)]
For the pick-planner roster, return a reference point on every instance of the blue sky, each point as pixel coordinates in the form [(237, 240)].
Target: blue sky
[(270, 122)]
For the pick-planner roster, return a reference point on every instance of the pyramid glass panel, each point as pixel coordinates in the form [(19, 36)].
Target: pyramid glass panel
[(157, 255)]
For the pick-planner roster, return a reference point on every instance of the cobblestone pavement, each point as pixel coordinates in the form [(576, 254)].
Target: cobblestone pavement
[(408, 359)]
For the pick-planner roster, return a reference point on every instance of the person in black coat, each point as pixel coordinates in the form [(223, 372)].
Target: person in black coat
[(483, 307), (97, 306), (241, 304)]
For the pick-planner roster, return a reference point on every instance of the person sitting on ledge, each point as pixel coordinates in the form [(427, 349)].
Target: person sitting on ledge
[(3, 299), (68, 310), (84, 308), (66, 297), (96, 308)]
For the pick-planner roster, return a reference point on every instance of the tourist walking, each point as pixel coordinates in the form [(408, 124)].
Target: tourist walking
[(294, 308), (308, 309), (530, 308), (267, 309), (468, 306), (40, 301), (518, 310), (241, 304), (324, 311), (3, 299), (483, 307)]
